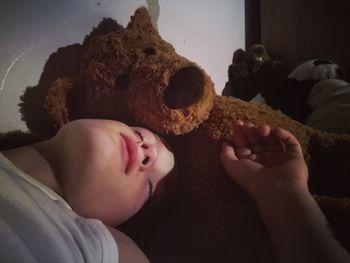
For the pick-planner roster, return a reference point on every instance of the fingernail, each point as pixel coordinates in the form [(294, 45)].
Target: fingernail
[(249, 124), (238, 122)]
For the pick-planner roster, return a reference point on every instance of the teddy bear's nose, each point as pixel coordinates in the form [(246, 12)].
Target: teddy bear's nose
[(186, 87)]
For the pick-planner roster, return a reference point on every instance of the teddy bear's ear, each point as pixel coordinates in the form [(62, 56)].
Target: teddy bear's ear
[(166, 92), (56, 101), (141, 22)]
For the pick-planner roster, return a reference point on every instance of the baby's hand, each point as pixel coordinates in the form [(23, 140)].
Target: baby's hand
[(265, 162)]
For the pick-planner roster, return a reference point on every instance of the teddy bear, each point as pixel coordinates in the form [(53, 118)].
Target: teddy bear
[(248, 69), (267, 81), (133, 75), (255, 76)]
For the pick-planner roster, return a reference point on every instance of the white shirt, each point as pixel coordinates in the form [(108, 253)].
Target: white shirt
[(37, 225)]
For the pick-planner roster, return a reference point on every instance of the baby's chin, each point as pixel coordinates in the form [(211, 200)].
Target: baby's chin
[(164, 193)]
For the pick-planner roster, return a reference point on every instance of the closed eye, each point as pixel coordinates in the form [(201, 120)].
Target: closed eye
[(139, 135), (150, 188)]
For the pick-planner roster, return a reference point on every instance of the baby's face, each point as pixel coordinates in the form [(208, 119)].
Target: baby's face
[(111, 169)]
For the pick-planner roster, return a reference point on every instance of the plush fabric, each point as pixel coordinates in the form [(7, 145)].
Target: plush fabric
[(133, 75)]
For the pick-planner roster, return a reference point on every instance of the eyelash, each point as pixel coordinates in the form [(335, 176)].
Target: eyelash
[(150, 185), (150, 189), (139, 134)]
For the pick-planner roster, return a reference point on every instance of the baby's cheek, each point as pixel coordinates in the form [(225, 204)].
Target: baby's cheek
[(137, 197)]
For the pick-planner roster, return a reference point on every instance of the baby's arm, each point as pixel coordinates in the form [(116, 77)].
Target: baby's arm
[(127, 248), (269, 165), (298, 230)]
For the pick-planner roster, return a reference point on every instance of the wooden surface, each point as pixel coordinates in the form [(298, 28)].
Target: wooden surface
[(252, 22), (296, 30)]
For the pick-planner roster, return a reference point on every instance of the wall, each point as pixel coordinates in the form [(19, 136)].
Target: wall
[(204, 31), (296, 30)]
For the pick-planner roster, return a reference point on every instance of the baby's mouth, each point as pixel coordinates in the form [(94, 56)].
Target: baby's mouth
[(130, 153)]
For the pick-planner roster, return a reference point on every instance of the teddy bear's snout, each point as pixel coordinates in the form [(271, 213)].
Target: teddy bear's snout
[(186, 87)]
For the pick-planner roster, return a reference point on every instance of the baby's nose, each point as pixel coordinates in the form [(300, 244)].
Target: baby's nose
[(149, 154)]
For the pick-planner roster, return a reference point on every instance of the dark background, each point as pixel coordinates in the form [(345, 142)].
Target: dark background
[(297, 30)]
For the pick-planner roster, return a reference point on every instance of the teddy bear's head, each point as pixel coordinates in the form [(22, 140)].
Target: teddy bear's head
[(133, 75)]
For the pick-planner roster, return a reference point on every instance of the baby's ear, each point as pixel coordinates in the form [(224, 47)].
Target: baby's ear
[(141, 22)]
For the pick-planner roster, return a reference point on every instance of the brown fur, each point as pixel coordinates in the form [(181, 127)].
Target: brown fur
[(125, 76)]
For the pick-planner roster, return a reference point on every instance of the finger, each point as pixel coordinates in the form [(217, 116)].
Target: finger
[(289, 141), (252, 157), (241, 140), (244, 146), (273, 144), (276, 147), (263, 130), (238, 122), (256, 142), (243, 152), (236, 169), (227, 154)]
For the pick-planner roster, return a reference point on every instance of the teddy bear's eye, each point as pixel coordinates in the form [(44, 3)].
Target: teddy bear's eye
[(186, 87), (149, 51), (138, 133)]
